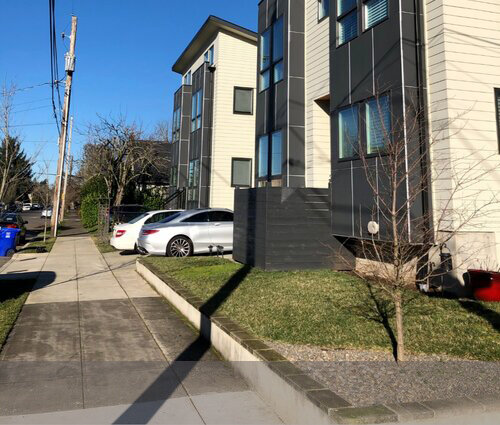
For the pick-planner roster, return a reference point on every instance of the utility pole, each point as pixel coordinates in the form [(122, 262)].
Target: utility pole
[(68, 169), (70, 68)]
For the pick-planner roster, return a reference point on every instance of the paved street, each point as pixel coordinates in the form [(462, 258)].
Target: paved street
[(93, 335)]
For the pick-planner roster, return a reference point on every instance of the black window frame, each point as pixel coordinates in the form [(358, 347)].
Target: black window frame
[(232, 172), (363, 16), (272, 61), (176, 125), (250, 89), (194, 184), (269, 177), (354, 8), (497, 109), (195, 118), (327, 15), (362, 127)]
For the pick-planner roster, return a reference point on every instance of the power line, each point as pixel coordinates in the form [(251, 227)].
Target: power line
[(54, 73), (32, 109), (31, 125), (31, 101)]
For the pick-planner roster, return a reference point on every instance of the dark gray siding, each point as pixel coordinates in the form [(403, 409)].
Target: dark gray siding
[(282, 106), (200, 145), (384, 59), (180, 152), (286, 229)]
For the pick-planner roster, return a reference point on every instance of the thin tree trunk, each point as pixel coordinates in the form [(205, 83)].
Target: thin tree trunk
[(119, 196), (399, 326)]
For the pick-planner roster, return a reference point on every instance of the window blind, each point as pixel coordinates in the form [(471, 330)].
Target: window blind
[(375, 11), (348, 27)]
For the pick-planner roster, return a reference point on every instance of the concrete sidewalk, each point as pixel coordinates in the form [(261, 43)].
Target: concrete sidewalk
[(93, 335)]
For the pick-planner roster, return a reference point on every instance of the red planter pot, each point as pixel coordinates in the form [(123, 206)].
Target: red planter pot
[(485, 285)]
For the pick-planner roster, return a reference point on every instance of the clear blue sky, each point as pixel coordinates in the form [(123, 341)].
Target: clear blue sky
[(125, 51)]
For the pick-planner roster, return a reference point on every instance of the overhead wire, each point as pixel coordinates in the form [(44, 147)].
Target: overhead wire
[(54, 74)]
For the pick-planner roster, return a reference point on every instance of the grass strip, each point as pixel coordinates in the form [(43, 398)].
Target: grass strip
[(13, 294)]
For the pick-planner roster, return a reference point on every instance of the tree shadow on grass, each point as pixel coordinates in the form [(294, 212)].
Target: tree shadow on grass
[(482, 311)]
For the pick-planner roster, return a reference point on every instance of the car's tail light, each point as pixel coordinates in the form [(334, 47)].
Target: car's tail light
[(11, 226), (149, 232), (120, 233)]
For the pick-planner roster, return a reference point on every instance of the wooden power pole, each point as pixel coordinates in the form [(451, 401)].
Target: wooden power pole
[(67, 175), (70, 68)]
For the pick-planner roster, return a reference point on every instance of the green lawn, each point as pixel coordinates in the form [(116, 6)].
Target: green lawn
[(337, 310), (13, 294), (38, 245)]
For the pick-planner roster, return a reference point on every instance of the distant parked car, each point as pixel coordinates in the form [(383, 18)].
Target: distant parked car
[(46, 213), (26, 207), (124, 213), (189, 232), (14, 221), (35, 207), (125, 235)]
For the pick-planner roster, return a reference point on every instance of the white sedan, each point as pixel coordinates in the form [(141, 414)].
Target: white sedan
[(189, 232), (46, 213), (125, 235)]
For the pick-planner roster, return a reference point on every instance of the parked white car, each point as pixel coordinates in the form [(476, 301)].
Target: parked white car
[(46, 212), (125, 235), (189, 232), (26, 207)]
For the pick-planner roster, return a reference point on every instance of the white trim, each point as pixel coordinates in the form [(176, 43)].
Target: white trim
[(350, 79)]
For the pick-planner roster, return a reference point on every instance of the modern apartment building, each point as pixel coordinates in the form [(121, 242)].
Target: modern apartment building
[(213, 131), (324, 67)]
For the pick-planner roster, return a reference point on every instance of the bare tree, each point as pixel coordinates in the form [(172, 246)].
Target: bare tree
[(15, 166), (116, 152), (403, 165), (161, 132)]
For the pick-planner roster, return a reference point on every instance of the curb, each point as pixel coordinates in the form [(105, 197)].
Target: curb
[(320, 403)]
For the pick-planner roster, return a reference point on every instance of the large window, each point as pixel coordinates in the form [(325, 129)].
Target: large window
[(263, 156), (378, 124), (176, 125), (276, 158), (209, 56), (173, 176), (497, 103), (241, 172), (193, 179), (271, 55), (323, 9), (349, 132), (367, 124), (243, 100), (375, 11), (196, 110), (347, 20)]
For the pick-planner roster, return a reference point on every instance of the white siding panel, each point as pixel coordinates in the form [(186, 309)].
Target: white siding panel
[(317, 86), (233, 134), (463, 56)]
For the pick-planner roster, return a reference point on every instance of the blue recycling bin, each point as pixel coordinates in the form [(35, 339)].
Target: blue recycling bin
[(8, 239)]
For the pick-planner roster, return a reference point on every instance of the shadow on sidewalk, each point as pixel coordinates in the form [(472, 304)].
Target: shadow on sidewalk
[(142, 413)]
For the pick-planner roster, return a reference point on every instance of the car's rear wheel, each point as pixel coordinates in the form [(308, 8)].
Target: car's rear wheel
[(179, 247)]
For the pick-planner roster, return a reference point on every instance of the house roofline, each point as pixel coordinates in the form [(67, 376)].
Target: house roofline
[(211, 27)]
